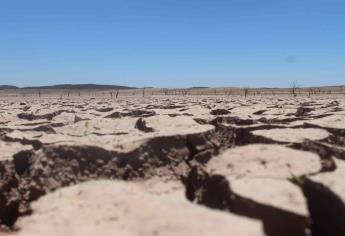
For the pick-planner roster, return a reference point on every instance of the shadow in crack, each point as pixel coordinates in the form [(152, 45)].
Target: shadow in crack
[(214, 191), (327, 210)]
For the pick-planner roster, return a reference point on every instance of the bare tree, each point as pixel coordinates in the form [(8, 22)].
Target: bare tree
[(117, 93), (294, 86), (143, 92), (246, 92), (310, 92), (184, 92)]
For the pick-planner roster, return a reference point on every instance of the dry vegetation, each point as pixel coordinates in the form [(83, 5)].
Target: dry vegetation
[(294, 90)]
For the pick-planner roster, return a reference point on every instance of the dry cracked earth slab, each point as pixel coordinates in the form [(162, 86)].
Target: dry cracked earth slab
[(192, 165)]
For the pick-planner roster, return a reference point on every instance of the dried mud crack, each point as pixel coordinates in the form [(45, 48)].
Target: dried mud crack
[(33, 174), (276, 166), (214, 191)]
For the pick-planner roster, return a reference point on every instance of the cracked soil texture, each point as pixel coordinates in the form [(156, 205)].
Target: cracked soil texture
[(168, 165)]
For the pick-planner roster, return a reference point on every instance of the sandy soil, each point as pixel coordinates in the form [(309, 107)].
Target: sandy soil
[(172, 165)]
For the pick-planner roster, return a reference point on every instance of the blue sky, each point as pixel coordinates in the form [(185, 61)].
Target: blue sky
[(173, 43)]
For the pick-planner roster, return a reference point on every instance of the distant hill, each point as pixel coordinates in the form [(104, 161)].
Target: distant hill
[(200, 87), (2, 87), (79, 86)]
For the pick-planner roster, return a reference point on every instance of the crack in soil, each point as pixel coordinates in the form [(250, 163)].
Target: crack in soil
[(327, 210), (214, 191), (36, 173), (32, 174)]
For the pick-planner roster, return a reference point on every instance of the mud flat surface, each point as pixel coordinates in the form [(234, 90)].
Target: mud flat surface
[(173, 165)]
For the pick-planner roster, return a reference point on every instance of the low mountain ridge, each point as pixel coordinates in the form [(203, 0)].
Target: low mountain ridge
[(69, 86)]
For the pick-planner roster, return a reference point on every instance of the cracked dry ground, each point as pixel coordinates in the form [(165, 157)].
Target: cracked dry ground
[(173, 166)]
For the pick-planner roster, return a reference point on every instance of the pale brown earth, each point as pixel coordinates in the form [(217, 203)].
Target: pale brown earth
[(172, 165)]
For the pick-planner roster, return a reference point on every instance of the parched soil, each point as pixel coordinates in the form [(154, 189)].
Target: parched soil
[(168, 165)]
